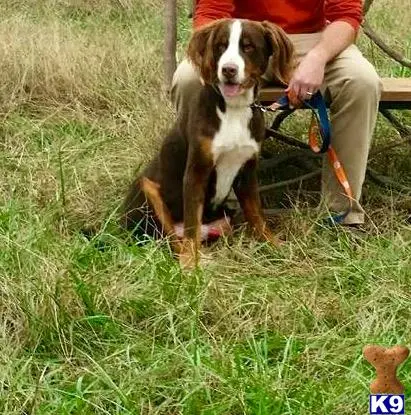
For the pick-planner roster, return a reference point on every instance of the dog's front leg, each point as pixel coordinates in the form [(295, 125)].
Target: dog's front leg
[(199, 166), (246, 190)]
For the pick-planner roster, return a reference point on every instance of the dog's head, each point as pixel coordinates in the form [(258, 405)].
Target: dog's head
[(234, 54)]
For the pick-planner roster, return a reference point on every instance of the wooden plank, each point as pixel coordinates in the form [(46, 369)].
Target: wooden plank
[(394, 90), (193, 8), (271, 94), (170, 44)]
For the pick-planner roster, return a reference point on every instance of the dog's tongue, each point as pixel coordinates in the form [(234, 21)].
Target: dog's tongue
[(231, 90)]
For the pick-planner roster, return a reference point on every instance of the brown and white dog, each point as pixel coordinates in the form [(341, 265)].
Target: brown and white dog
[(214, 146)]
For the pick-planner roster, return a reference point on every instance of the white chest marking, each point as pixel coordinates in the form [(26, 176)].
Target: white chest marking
[(232, 146)]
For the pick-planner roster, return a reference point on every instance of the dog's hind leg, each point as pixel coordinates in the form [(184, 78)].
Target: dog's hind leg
[(151, 190)]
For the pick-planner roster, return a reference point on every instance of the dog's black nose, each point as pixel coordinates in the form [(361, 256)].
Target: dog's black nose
[(230, 70)]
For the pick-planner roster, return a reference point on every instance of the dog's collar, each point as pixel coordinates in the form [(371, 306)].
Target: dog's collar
[(265, 108), (282, 103)]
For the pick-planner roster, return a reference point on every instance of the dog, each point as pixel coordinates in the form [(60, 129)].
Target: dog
[(214, 147)]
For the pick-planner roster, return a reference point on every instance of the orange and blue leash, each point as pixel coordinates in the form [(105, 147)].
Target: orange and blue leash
[(320, 127)]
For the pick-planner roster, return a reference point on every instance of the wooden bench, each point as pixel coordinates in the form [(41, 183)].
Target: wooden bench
[(396, 93)]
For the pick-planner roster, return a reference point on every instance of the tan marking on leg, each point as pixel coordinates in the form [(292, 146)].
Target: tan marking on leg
[(152, 191), (188, 256), (254, 217), (205, 147)]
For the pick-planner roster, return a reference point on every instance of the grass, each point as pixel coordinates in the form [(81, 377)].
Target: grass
[(104, 327)]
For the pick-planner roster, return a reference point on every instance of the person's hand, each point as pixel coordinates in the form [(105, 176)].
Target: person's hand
[(307, 78)]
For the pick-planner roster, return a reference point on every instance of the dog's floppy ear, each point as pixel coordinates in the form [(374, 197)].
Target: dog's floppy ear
[(200, 51), (282, 51)]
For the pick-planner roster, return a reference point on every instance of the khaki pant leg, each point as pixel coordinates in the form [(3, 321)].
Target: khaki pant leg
[(186, 80), (355, 89)]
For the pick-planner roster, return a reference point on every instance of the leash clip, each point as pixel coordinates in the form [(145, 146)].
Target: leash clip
[(270, 108)]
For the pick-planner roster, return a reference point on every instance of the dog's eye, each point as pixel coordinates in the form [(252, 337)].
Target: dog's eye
[(222, 47), (248, 48)]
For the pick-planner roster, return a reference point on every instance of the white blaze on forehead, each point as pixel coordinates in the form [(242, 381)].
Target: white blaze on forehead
[(232, 54)]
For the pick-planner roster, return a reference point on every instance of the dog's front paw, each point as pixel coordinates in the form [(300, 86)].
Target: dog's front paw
[(188, 257), (267, 236), (187, 261), (275, 240)]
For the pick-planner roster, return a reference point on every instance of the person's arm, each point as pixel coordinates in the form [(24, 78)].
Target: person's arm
[(209, 10), (345, 17)]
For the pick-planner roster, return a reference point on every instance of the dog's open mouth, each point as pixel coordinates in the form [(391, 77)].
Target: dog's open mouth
[(230, 89)]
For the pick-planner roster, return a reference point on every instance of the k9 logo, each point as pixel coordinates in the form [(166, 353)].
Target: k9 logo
[(387, 404)]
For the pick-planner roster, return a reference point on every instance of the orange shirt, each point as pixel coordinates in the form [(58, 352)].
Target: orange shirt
[(294, 16)]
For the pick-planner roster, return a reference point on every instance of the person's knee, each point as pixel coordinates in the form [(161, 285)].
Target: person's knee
[(362, 82), (185, 80), (185, 75)]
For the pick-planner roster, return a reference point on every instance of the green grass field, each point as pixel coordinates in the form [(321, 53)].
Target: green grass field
[(104, 327)]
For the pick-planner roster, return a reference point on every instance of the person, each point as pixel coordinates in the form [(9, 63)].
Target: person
[(323, 33)]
